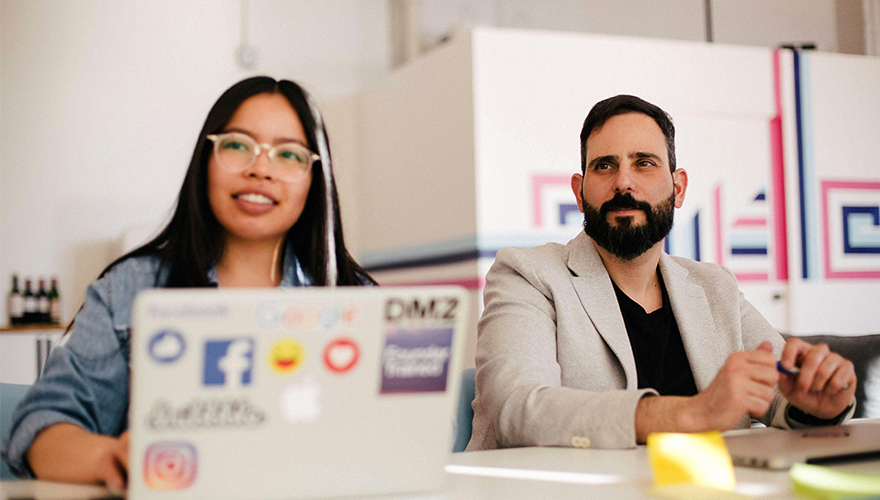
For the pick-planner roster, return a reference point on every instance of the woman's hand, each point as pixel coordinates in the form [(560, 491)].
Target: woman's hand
[(68, 453), (112, 462)]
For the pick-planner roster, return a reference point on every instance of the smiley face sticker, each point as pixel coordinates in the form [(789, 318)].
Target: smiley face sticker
[(286, 356), (341, 355)]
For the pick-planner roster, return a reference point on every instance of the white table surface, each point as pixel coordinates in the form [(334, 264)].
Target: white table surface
[(522, 473), (577, 473)]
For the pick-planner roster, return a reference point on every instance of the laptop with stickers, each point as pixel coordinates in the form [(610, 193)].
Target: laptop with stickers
[(293, 393), (780, 449)]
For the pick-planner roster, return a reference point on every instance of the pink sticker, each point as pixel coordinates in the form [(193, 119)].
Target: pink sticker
[(341, 355), (170, 465)]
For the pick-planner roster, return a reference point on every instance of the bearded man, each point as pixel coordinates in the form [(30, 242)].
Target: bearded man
[(599, 342)]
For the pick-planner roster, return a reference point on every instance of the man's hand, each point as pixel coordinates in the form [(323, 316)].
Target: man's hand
[(743, 386), (826, 382)]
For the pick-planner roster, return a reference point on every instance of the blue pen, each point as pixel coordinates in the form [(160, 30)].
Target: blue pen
[(794, 371)]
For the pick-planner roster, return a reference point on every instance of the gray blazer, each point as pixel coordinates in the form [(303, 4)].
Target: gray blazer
[(554, 363)]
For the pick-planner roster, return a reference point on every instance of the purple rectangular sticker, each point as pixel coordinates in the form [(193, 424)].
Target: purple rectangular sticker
[(416, 359)]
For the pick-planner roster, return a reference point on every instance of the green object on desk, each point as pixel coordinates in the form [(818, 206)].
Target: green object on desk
[(824, 483)]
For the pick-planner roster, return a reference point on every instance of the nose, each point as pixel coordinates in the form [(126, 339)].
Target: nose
[(623, 180), (261, 168)]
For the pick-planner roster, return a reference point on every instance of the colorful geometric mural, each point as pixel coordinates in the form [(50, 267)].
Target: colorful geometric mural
[(741, 244), (851, 229), (747, 246), (553, 204)]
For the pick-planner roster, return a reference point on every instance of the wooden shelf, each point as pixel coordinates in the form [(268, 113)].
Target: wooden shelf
[(34, 327)]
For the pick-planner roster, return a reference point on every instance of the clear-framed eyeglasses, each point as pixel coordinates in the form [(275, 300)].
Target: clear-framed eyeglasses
[(236, 152)]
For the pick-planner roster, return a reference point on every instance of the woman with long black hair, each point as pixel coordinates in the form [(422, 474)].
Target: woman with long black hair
[(258, 208)]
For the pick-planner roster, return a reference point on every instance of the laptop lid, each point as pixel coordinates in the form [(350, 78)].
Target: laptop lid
[(293, 393), (780, 449)]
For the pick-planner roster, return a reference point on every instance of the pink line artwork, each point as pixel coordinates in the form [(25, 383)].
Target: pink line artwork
[(538, 183), (750, 222), (470, 284), (756, 276), (827, 186), (719, 233), (777, 175)]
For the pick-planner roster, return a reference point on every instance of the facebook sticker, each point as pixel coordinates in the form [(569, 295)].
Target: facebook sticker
[(229, 362)]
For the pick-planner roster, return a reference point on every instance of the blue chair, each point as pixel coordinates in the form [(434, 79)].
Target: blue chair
[(10, 395), (465, 417)]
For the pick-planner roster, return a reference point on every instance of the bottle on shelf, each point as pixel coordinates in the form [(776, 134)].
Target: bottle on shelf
[(54, 303), (42, 303), (15, 304), (31, 311)]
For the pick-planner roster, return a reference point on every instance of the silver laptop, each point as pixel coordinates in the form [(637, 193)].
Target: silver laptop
[(296, 393), (780, 449)]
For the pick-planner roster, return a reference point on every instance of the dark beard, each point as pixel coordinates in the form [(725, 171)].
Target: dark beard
[(625, 241)]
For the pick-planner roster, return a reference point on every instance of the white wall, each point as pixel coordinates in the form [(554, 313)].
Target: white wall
[(417, 149), (528, 122), (676, 19), (765, 23), (776, 22), (840, 104), (102, 100)]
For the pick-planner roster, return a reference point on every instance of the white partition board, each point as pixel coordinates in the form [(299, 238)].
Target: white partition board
[(833, 196)]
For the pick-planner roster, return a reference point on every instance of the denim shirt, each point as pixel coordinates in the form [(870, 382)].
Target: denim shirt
[(86, 378)]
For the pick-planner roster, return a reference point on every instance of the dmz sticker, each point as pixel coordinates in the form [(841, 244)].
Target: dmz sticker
[(170, 465), (416, 360), (166, 346), (229, 362)]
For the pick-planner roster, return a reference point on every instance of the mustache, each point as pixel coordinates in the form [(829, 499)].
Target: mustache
[(624, 202)]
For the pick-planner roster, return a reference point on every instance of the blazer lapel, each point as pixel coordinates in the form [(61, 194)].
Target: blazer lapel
[(593, 286), (694, 319)]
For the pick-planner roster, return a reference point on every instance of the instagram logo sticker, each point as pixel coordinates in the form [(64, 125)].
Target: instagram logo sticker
[(170, 465)]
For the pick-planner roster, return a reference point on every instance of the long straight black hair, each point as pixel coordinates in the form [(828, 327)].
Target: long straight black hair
[(194, 240)]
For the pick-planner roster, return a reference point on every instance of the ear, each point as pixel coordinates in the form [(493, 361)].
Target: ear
[(680, 184), (577, 186)]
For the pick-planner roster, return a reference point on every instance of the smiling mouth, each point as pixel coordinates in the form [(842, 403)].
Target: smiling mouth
[(255, 198)]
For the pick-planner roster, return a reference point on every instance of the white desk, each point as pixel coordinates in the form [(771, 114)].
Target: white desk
[(575, 473), (44, 490), (558, 473)]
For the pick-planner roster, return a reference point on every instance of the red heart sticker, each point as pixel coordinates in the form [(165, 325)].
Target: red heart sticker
[(341, 355)]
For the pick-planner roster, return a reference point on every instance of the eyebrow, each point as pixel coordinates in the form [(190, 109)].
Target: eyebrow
[(641, 154), (278, 140), (603, 159), (632, 156)]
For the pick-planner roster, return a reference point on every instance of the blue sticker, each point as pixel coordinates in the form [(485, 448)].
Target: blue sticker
[(166, 346), (229, 362), (416, 360)]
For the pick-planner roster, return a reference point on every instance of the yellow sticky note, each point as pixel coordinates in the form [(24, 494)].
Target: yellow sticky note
[(823, 483), (699, 459)]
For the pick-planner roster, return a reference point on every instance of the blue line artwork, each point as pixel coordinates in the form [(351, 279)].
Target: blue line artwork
[(861, 230), (569, 214)]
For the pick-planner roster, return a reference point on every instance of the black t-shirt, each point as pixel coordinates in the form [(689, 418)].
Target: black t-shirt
[(661, 361)]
